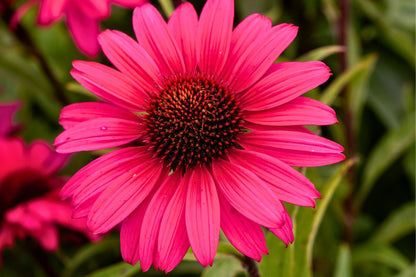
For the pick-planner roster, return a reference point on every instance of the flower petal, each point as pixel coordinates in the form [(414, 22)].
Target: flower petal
[(183, 25), (50, 10), (287, 184), (74, 114), (152, 218), (247, 193), (124, 195), (246, 235), (202, 215), (109, 161), (84, 30), (283, 83), (130, 233), (294, 147), (98, 133), (285, 233), (43, 158), (131, 59), (300, 111), (254, 58), (109, 84), (173, 240), (153, 34), (129, 3), (214, 35)]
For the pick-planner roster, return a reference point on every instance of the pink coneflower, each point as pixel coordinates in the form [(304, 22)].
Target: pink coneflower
[(29, 195), (82, 17), (208, 129)]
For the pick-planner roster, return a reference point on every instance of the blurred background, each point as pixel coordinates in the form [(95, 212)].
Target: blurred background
[(364, 225)]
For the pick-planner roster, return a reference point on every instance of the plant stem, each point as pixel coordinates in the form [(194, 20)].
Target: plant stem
[(177, 3), (251, 266), (23, 36), (350, 132)]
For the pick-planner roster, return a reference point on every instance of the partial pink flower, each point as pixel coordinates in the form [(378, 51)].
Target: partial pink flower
[(82, 17), (207, 127), (7, 112), (29, 195)]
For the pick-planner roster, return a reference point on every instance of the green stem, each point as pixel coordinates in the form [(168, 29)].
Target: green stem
[(23, 36), (167, 7)]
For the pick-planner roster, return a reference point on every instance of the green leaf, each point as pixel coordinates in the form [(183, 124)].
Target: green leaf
[(334, 89), (91, 252), (407, 272), (389, 148), (402, 13), (121, 269), (224, 267), (380, 254), (343, 267), (398, 224), (321, 53), (399, 40)]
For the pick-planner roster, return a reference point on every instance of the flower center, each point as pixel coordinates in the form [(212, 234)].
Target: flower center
[(193, 120)]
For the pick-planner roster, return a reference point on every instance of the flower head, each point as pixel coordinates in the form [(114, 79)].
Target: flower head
[(207, 127), (82, 17), (29, 194)]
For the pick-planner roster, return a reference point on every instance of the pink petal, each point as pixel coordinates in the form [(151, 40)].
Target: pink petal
[(106, 173), (183, 25), (111, 161), (247, 193), (48, 237), (50, 10), (130, 231), (84, 30), (129, 3), (131, 59), (99, 133), (283, 83), (153, 34), (124, 195), (251, 28), (97, 9), (214, 35), (294, 147), (109, 84), (254, 58), (300, 111), (74, 114), (285, 233), (173, 240), (287, 184), (42, 157), (246, 235), (153, 217), (202, 215)]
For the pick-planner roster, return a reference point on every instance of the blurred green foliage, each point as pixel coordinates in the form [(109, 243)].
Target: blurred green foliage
[(375, 101)]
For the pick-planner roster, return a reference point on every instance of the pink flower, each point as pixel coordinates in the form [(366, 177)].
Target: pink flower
[(29, 195), (7, 111), (82, 17), (208, 129)]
